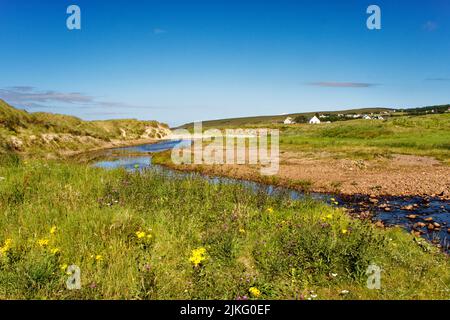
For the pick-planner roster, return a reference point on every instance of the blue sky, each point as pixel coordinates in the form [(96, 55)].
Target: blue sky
[(179, 61)]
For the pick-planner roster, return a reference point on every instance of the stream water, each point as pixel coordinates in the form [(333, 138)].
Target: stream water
[(429, 216)]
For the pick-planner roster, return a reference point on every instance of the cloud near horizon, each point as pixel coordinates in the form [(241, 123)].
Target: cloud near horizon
[(31, 97), (342, 84), (437, 79)]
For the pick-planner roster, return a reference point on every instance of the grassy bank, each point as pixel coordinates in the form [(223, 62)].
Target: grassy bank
[(42, 134), (147, 236)]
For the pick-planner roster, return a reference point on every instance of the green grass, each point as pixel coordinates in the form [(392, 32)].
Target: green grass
[(42, 133), (284, 248), (425, 136)]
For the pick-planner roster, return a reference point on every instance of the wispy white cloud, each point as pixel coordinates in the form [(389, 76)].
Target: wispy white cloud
[(430, 26), (159, 31), (342, 84), (437, 79), (31, 97)]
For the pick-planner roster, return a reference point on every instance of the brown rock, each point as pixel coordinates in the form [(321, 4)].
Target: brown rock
[(430, 226), (419, 225), (379, 224), (412, 216), (428, 219), (408, 207), (448, 230), (415, 233), (436, 225)]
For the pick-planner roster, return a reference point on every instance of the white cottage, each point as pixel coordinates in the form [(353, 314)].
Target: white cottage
[(289, 120), (314, 120)]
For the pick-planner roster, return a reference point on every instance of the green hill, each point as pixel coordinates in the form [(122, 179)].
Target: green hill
[(42, 132), (274, 119)]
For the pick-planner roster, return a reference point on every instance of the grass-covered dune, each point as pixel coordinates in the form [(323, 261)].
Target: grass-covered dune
[(43, 133), (149, 236)]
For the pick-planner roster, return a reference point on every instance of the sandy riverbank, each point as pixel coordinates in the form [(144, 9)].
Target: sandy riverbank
[(399, 175)]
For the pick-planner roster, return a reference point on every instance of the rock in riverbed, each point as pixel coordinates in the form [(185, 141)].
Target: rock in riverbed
[(419, 225)]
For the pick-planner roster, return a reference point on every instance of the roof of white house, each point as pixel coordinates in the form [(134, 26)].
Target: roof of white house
[(314, 120), (289, 120)]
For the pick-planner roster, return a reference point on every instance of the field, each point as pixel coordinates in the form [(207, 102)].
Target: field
[(420, 135), (147, 236)]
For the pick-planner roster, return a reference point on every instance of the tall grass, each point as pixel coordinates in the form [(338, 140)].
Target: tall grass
[(284, 248)]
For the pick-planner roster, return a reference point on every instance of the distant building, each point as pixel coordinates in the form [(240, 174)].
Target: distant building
[(366, 117), (289, 120), (314, 120)]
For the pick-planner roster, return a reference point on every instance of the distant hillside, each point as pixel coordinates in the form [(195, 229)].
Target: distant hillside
[(427, 110), (260, 120), (330, 115), (55, 133)]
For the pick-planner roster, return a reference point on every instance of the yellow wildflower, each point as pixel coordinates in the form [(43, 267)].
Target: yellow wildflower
[(270, 210), (63, 267), (55, 251), (241, 230), (53, 230), (98, 258), (254, 292), (140, 234), (6, 246), (43, 242), (344, 231), (198, 256), (329, 216)]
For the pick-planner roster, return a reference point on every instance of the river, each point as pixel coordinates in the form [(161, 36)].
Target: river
[(411, 213)]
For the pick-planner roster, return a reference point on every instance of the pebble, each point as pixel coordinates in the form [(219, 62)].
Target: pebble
[(419, 225), (412, 216), (430, 226), (379, 224), (428, 219), (415, 233)]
